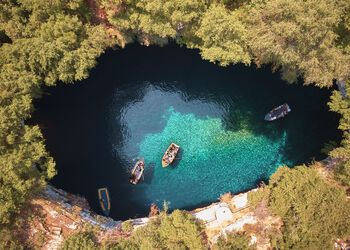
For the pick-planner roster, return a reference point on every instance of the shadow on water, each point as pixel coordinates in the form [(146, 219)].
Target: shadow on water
[(85, 124)]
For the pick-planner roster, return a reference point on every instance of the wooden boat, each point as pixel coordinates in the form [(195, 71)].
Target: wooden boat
[(105, 203), (170, 154), (137, 172), (278, 112)]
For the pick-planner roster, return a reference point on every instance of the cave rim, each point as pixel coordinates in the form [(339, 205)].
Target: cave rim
[(77, 84)]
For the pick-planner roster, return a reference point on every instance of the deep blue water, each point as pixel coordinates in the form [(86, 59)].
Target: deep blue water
[(139, 100)]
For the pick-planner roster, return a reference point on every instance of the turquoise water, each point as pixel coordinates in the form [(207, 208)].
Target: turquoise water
[(139, 100), (213, 159)]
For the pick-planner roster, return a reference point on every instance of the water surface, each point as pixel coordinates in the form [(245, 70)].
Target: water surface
[(139, 100)]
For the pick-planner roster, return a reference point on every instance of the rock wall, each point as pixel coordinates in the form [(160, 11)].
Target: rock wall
[(55, 214)]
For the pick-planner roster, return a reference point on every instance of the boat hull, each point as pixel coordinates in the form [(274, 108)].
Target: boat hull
[(137, 172), (105, 203), (279, 112), (170, 154)]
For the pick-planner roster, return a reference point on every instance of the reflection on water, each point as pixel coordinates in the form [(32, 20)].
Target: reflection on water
[(137, 102), (149, 114), (214, 158)]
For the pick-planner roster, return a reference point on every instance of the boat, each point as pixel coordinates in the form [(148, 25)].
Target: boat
[(105, 203), (137, 172), (170, 154), (278, 112)]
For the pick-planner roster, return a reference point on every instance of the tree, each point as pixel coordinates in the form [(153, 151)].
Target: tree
[(24, 168), (49, 41), (62, 49), (300, 38), (178, 230), (343, 29), (127, 226), (224, 37), (232, 4), (8, 240), (42, 42), (314, 212), (341, 105), (233, 242), (154, 21), (80, 241), (20, 18)]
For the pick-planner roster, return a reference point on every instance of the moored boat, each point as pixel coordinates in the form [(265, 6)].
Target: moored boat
[(137, 172), (170, 154), (105, 203), (278, 112)]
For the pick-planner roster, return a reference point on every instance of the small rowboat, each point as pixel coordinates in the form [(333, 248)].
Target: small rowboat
[(105, 203), (137, 172), (170, 154), (278, 112)]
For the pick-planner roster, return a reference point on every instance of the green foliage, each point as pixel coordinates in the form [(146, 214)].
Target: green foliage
[(80, 241), (224, 37), (63, 49), (299, 37), (20, 18), (178, 230), (308, 39), (341, 105), (314, 212), (49, 41), (259, 195), (328, 147), (125, 244), (342, 173), (343, 30), (8, 241), (232, 4), (154, 21), (24, 168), (127, 226), (42, 42), (233, 242)]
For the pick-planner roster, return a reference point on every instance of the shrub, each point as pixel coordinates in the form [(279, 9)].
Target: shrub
[(178, 230), (233, 242), (314, 212), (127, 226), (80, 241), (8, 240)]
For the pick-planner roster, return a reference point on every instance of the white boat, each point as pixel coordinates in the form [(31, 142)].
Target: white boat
[(170, 154), (278, 112), (137, 172)]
